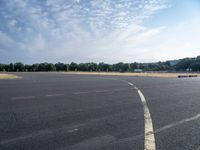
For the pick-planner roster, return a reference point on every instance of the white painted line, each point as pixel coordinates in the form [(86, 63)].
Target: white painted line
[(149, 143), (51, 95), (111, 90), (99, 91), (177, 123), (107, 78), (166, 127), (149, 133), (72, 130), (130, 83), (21, 98), (116, 90), (40, 133), (77, 93), (103, 91), (24, 137)]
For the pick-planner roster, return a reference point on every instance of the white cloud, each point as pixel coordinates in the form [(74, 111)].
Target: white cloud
[(12, 23), (178, 41), (9, 48), (4, 39), (82, 30)]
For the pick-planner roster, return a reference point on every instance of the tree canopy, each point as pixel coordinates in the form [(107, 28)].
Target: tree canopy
[(191, 64)]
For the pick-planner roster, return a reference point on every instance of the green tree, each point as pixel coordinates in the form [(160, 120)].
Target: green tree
[(122, 67), (60, 66), (83, 67), (34, 67), (184, 64), (133, 66), (28, 68), (195, 66), (1, 67), (92, 67), (19, 66), (50, 67), (104, 67), (73, 67), (11, 67)]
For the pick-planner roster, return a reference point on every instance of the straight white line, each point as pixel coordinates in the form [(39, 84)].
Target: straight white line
[(72, 130), (51, 95), (116, 90), (130, 83), (100, 91), (149, 143), (107, 78), (111, 90), (32, 135), (21, 98), (81, 92), (177, 123), (40, 133)]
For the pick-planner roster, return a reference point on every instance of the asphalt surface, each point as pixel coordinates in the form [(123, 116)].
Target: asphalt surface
[(54, 111)]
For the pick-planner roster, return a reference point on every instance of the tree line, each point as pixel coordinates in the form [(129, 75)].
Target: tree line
[(189, 64), (119, 67), (192, 64)]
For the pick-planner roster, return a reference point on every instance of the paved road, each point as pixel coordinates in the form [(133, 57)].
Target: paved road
[(83, 112)]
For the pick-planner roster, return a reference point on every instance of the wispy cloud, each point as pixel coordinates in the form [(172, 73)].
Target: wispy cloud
[(79, 30)]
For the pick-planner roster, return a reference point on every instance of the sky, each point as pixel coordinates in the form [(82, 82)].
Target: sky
[(111, 31)]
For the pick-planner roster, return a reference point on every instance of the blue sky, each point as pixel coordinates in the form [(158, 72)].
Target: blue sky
[(98, 30)]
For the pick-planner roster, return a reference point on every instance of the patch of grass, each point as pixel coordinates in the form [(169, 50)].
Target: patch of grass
[(143, 74), (8, 76)]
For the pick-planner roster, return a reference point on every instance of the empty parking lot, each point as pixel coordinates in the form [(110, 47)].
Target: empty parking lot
[(81, 112)]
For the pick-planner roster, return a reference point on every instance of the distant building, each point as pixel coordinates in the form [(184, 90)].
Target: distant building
[(138, 70)]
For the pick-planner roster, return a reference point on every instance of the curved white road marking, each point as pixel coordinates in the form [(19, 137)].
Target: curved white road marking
[(149, 143)]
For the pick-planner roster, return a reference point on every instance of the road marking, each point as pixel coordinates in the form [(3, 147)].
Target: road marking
[(177, 123), (40, 133), (51, 95), (100, 91), (107, 78), (149, 143), (21, 98), (72, 130), (130, 83), (85, 92), (24, 137), (104, 91)]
